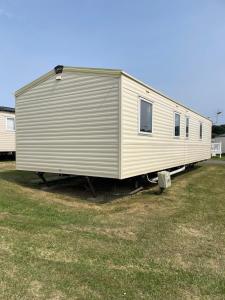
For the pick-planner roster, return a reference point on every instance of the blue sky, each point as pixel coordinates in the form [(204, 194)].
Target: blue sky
[(176, 46)]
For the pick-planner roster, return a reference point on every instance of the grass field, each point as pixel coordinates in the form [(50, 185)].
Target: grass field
[(57, 245), (218, 157)]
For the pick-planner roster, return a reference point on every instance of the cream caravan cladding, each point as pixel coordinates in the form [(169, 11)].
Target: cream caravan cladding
[(87, 124), (160, 150), (70, 126), (7, 132)]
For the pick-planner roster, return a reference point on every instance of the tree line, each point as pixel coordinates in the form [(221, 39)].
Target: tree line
[(218, 129)]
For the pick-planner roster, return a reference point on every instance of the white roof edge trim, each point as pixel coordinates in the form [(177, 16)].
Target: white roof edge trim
[(94, 70), (116, 72)]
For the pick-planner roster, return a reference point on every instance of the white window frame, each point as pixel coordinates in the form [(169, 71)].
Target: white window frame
[(201, 131), (140, 98), (6, 123), (187, 118), (174, 125)]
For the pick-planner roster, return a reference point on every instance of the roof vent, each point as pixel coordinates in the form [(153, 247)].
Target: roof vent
[(58, 72), (58, 69)]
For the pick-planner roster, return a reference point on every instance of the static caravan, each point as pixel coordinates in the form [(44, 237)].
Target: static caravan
[(7, 130), (104, 123), (220, 139)]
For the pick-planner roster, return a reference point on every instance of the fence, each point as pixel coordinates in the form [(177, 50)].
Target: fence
[(216, 149)]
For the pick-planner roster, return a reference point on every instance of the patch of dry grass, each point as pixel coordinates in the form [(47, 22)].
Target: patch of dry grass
[(7, 165)]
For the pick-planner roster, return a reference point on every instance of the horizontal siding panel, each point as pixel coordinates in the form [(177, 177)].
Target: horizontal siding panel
[(161, 150), (7, 138), (58, 104), (84, 170), (70, 147), (83, 109), (52, 160), (64, 90), (70, 126), (68, 117), (79, 96), (109, 161), (71, 123)]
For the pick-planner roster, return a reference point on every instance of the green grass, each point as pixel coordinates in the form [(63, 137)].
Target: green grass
[(57, 245), (218, 157)]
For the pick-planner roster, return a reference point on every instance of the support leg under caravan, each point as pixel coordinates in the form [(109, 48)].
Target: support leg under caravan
[(42, 177), (91, 187)]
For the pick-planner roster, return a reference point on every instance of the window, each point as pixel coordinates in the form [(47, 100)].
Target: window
[(10, 124), (187, 127), (177, 125), (200, 131), (145, 120)]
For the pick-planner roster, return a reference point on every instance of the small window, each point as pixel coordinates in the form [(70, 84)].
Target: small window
[(145, 122), (201, 131), (187, 127), (10, 124), (177, 125)]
